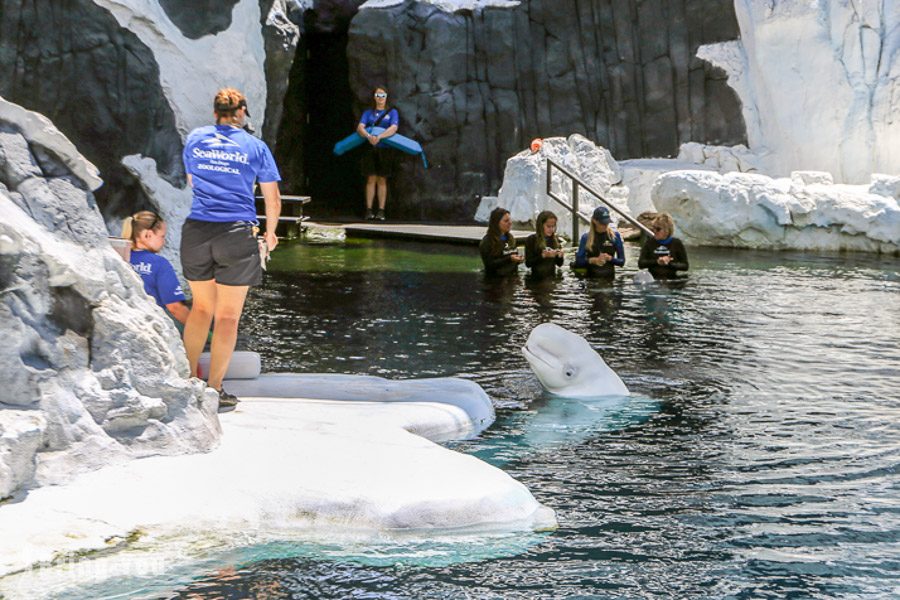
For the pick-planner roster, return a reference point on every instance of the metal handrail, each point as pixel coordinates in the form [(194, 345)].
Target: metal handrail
[(573, 209)]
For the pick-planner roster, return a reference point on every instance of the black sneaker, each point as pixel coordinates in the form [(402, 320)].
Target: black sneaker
[(370, 216), (227, 401), (380, 215)]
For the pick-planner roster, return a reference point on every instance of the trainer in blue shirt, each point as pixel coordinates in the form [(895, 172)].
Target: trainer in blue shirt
[(220, 254), (378, 163)]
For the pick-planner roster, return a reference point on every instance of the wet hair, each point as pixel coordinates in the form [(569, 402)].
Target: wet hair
[(139, 222), (226, 104), (542, 218), (665, 221), (494, 230)]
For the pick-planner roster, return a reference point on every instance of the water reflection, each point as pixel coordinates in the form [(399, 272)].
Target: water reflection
[(553, 421), (766, 465)]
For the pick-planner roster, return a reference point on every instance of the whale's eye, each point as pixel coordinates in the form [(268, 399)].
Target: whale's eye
[(570, 371)]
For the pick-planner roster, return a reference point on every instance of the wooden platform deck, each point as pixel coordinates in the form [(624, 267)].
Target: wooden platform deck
[(450, 234)]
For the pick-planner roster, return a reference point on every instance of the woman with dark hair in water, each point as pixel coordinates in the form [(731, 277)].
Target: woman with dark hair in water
[(543, 250), (498, 246)]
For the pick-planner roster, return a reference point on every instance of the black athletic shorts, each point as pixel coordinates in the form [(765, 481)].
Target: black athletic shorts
[(379, 161), (225, 252)]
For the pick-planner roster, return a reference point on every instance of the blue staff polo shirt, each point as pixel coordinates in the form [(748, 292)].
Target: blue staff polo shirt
[(370, 116), (159, 277), (225, 162)]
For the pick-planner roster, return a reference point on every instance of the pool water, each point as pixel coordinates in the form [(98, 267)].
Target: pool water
[(758, 457)]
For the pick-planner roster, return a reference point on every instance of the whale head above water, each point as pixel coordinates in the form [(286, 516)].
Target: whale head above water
[(566, 365)]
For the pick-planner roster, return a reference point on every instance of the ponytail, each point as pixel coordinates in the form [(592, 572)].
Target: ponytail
[(133, 226)]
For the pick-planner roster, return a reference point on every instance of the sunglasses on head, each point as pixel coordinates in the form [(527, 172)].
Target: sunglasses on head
[(380, 95)]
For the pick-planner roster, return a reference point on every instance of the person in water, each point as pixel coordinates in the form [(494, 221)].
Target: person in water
[(146, 231), (498, 246), (220, 254), (663, 254), (378, 164), (600, 250), (543, 250)]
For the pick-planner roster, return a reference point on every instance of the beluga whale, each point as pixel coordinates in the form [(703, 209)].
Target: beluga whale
[(566, 365)]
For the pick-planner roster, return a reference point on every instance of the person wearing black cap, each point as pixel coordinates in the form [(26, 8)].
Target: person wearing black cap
[(663, 254), (601, 249)]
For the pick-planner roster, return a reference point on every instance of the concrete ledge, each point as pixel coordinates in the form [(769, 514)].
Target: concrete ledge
[(451, 234)]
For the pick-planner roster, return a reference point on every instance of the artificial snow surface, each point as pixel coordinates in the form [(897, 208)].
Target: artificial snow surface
[(284, 465)]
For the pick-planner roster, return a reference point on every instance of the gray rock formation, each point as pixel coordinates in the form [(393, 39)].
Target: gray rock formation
[(200, 17), (101, 82), (476, 86), (281, 35), (92, 370), (97, 82)]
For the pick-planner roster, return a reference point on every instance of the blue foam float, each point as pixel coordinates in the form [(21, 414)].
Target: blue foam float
[(396, 141)]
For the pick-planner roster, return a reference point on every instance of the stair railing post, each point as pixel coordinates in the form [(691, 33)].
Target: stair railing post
[(574, 212)]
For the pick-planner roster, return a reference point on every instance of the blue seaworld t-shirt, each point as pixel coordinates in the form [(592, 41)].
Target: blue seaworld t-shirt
[(370, 116), (159, 277), (225, 162)]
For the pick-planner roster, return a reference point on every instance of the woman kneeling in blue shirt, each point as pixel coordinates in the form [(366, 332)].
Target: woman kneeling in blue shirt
[(147, 232)]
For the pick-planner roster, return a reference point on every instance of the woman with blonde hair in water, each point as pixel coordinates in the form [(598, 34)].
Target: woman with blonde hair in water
[(664, 254), (220, 254), (600, 250)]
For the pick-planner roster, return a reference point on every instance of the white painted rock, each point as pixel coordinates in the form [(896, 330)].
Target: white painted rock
[(885, 185), (98, 365), (524, 189), (286, 468), (848, 53), (804, 178), (755, 211)]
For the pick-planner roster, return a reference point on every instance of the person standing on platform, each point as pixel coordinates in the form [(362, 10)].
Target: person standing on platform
[(600, 250), (220, 254), (543, 250), (378, 164)]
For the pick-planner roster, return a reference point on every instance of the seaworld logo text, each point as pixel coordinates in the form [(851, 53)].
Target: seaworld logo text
[(239, 157)]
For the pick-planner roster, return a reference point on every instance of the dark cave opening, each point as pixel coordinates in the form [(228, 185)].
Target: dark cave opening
[(318, 113)]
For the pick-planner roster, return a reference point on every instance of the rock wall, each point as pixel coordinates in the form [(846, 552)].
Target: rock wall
[(819, 84), (475, 86), (132, 77), (72, 62), (93, 371)]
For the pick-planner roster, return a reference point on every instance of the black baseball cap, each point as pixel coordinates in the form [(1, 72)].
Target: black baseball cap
[(601, 215)]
